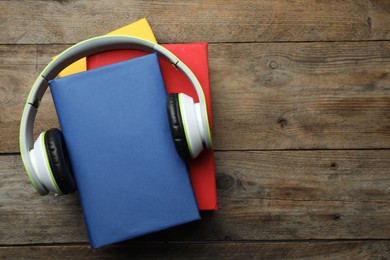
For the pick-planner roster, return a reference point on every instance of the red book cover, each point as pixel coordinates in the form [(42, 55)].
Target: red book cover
[(195, 56)]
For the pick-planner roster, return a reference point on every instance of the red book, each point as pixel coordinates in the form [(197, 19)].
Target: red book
[(195, 56)]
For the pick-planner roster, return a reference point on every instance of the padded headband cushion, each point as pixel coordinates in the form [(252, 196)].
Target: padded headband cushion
[(59, 161), (176, 125)]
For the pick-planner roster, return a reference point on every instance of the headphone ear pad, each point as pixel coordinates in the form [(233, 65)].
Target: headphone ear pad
[(59, 161), (176, 126)]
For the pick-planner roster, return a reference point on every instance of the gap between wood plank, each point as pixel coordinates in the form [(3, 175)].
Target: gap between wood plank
[(136, 243), (212, 43), (272, 150)]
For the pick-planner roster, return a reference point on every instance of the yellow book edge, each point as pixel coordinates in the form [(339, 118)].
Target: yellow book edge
[(140, 28)]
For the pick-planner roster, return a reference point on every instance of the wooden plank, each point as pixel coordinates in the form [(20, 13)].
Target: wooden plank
[(262, 196), (265, 96), (301, 96), (214, 21), (280, 250)]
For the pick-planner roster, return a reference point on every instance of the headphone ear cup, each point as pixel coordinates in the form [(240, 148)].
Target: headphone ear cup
[(176, 126), (59, 161)]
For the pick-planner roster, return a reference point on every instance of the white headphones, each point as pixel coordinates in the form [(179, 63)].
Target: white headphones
[(46, 161)]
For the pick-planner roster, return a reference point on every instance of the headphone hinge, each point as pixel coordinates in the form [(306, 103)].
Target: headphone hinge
[(36, 103), (175, 65)]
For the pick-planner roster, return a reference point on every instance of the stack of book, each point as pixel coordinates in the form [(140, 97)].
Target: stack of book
[(112, 111)]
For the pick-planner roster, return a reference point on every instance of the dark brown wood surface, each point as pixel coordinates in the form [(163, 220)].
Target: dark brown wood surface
[(221, 250), (301, 111), (66, 21)]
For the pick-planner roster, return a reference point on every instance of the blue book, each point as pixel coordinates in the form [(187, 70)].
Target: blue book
[(130, 179)]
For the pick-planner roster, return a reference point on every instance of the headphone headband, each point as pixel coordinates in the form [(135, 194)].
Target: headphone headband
[(87, 48)]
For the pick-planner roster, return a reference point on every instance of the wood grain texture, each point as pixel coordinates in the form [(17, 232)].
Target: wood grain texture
[(27, 22), (265, 96), (262, 196), (306, 250), (301, 95), (289, 80)]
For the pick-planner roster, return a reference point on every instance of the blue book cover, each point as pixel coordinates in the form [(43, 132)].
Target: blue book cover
[(130, 179)]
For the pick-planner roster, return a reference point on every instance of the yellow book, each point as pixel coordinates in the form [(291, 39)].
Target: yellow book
[(140, 28)]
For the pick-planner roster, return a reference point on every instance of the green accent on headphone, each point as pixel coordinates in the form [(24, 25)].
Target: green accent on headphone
[(31, 180), (208, 126), (24, 164), (205, 109), (184, 125)]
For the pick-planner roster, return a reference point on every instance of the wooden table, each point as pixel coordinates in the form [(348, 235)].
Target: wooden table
[(301, 102)]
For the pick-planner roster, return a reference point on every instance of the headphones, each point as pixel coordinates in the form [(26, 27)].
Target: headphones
[(46, 161)]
